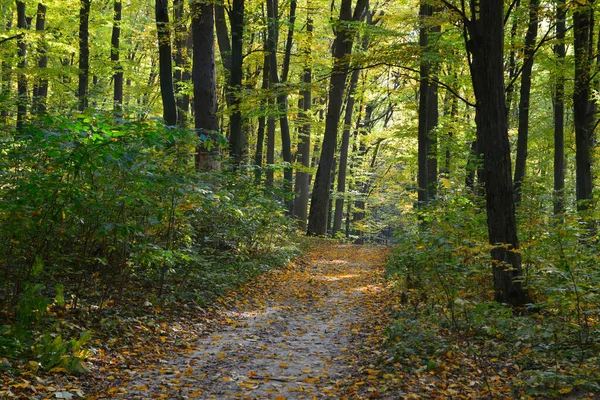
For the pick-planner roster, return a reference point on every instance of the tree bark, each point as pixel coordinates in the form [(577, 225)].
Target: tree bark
[(344, 147), (303, 154), (204, 76), (559, 110), (524, 99), (165, 62), (262, 118), (181, 58), (84, 54), (21, 78), (485, 44), (342, 49), (237, 139), (428, 112), (584, 108), (282, 101), (115, 59), (40, 89)]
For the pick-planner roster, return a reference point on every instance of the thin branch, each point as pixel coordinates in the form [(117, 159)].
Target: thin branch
[(20, 35), (510, 8)]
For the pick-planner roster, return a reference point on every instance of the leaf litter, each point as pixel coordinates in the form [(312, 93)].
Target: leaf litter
[(289, 333)]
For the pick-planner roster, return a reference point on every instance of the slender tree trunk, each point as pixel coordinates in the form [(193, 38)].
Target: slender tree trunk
[(583, 105), (344, 147), (223, 37), (84, 54), (165, 63), (342, 49), (181, 58), (204, 75), (270, 144), (559, 110), (286, 143), (512, 60), (22, 77), (486, 49), (40, 89), (302, 174), (115, 59), (262, 119), (525, 95), (237, 139)]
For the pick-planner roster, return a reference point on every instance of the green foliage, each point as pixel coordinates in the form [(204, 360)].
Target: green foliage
[(94, 213), (443, 278)]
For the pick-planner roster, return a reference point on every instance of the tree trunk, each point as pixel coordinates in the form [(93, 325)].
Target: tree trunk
[(342, 48), (262, 118), (428, 112), (204, 76), (40, 89), (270, 144), (84, 54), (583, 105), (237, 140), (344, 147), (165, 63), (181, 74), (303, 154), (115, 58), (559, 110), (286, 143), (485, 45), (22, 77), (525, 95)]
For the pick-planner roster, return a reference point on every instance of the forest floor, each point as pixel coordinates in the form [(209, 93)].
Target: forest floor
[(291, 333)]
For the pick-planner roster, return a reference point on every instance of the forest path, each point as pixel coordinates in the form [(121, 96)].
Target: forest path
[(292, 333)]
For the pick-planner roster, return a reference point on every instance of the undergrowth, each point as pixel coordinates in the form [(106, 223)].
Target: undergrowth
[(99, 220), (447, 317)]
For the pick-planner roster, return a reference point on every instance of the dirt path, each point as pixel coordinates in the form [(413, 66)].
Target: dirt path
[(290, 335)]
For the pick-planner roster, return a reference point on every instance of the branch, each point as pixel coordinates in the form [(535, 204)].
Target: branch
[(20, 35), (510, 8)]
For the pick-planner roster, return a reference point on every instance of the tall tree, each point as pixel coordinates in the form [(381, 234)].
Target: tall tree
[(484, 37), (559, 109), (115, 59), (584, 107), (273, 27), (428, 108), (84, 54), (204, 76), (237, 140), (524, 99), (165, 62), (342, 49), (302, 174), (40, 89), (22, 53)]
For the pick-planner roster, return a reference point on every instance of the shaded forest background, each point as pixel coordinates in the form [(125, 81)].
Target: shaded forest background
[(157, 153)]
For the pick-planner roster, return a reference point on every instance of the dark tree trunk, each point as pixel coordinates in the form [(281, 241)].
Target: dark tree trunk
[(485, 45), (344, 147), (181, 74), (22, 77), (115, 58), (40, 89), (525, 95), (204, 76), (303, 154), (286, 143), (428, 111), (584, 108), (342, 48), (237, 139), (559, 110), (512, 60), (223, 37), (262, 120), (270, 144), (84, 54), (165, 62)]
